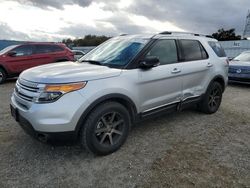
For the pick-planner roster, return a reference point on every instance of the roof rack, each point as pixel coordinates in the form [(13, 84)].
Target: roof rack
[(184, 33)]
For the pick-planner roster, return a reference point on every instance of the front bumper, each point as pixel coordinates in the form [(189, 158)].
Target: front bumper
[(239, 78), (42, 136), (51, 119)]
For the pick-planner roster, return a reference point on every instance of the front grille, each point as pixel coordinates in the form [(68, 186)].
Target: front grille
[(239, 70), (26, 90)]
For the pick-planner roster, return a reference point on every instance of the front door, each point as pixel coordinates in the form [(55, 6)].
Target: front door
[(162, 85), (21, 60)]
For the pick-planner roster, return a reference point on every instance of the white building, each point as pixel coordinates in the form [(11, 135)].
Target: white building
[(235, 47)]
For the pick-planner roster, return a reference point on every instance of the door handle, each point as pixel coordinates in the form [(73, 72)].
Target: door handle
[(175, 71), (209, 64)]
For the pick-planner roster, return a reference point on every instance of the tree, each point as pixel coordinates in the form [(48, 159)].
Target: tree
[(88, 40), (223, 35)]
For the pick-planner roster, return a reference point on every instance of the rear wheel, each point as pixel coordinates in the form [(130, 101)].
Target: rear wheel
[(106, 128), (2, 76), (212, 99)]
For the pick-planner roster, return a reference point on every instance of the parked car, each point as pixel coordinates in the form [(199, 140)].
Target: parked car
[(239, 68), (17, 58), (78, 54), (122, 81)]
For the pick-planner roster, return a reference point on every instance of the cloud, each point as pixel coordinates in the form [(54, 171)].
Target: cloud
[(55, 3), (196, 15), (57, 19), (7, 33)]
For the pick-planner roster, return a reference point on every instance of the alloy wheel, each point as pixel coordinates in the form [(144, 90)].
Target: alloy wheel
[(109, 129), (214, 98)]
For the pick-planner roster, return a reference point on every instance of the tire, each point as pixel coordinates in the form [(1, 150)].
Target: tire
[(2, 76), (106, 128), (212, 99)]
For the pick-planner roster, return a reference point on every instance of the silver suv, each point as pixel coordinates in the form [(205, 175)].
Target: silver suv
[(122, 81)]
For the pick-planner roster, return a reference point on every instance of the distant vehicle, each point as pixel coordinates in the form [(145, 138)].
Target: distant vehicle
[(122, 81), (17, 58), (239, 68), (78, 54)]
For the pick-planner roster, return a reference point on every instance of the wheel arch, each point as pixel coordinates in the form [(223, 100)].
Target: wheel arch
[(6, 72), (120, 98), (220, 80), (2, 67)]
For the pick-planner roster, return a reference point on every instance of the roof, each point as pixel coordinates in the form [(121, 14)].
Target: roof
[(168, 33)]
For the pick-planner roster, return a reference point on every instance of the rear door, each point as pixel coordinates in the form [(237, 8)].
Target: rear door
[(42, 54), (161, 86), (196, 68)]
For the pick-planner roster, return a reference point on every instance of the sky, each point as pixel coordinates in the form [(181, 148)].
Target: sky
[(54, 20)]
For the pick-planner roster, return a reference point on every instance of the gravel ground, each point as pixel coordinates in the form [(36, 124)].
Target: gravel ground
[(186, 149)]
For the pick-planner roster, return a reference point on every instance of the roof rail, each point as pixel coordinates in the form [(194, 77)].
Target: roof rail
[(184, 33)]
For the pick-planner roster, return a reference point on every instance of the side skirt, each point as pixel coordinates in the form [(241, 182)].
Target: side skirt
[(179, 106)]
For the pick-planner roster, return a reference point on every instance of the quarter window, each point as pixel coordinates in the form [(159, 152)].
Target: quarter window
[(165, 51), (217, 49), (192, 50)]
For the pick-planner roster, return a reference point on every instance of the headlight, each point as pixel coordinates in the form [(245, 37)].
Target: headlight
[(53, 92)]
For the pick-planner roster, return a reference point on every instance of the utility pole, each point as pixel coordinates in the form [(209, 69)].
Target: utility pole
[(246, 33)]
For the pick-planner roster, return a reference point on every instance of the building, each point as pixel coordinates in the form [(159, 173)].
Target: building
[(235, 47)]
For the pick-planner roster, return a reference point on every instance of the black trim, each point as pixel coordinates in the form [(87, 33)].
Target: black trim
[(159, 111), (45, 136), (178, 106)]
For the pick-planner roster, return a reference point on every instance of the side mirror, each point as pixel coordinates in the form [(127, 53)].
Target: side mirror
[(149, 62), (11, 54)]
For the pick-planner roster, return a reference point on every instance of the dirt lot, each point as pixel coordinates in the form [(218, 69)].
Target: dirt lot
[(187, 149)]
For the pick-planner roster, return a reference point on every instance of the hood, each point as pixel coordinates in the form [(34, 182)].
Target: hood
[(66, 72), (239, 63)]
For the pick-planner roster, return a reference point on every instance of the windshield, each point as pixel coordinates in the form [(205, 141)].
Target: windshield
[(243, 57), (3, 51), (118, 51)]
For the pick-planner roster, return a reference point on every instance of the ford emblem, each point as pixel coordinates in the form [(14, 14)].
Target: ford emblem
[(238, 71)]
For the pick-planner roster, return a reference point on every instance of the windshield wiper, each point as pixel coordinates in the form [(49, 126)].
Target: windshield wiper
[(92, 62)]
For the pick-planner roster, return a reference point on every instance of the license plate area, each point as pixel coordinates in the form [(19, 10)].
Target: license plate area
[(14, 113)]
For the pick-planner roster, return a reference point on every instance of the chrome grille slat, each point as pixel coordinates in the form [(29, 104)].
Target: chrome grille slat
[(24, 97), (26, 90)]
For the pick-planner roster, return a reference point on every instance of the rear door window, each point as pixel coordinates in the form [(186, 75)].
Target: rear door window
[(41, 49), (217, 48), (191, 50), (165, 51)]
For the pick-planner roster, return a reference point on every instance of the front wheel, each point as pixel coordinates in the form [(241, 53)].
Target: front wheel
[(106, 128), (212, 99)]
